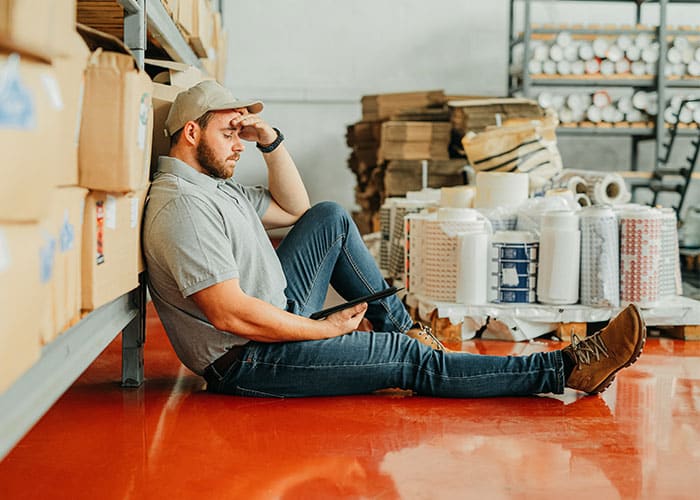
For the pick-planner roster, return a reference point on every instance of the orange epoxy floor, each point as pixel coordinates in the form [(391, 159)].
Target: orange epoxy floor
[(169, 439)]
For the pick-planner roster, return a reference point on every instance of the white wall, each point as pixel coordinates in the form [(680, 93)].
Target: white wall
[(312, 60)]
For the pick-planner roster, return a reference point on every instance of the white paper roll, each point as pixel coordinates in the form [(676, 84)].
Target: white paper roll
[(583, 200), (585, 51), (576, 184), (633, 53), (472, 250), (592, 66), (558, 268), (600, 254), (600, 47), (549, 67), (501, 189), (457, 196), (609, 189), (556, 53)]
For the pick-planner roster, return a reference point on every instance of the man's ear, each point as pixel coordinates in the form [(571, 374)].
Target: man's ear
[(191, 132)]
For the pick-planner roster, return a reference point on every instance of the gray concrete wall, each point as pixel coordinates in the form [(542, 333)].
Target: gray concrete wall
[(312, 60)]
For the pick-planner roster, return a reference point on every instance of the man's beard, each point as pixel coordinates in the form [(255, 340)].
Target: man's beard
[(211, 165)]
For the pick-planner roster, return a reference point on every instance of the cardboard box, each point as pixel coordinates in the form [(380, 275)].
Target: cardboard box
[(167, 84), (202, 38), (117, 123), (111, 259), (30, 104), (23, 292), (170, 7), (39, 25), (185, 17), (70, 72), (64, 226)]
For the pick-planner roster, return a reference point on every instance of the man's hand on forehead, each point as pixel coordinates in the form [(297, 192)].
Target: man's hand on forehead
[(253, 128)]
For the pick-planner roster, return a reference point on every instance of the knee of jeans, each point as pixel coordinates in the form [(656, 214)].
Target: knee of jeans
[(331, 212)]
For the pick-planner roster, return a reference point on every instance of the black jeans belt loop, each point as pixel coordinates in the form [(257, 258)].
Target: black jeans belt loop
[(218, 368)]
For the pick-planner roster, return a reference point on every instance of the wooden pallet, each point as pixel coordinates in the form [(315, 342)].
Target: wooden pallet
[(452, 333)]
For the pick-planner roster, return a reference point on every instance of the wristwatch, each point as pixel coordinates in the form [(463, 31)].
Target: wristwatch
[(272, 146)]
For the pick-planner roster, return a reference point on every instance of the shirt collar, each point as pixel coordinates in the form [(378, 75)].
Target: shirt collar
[(170, 165)]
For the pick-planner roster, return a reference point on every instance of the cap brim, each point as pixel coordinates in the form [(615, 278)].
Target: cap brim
[(253, 106)]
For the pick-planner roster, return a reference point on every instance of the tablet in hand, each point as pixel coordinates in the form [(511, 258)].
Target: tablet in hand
[(367, 298)]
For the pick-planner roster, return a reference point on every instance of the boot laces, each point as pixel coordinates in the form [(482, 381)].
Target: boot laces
[(585, 350), (426, 331)]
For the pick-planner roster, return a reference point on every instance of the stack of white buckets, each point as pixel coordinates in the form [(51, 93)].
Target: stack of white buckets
[(566, 256)]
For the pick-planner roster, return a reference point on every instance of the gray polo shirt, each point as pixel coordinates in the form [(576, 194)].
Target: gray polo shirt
[(199, 231)]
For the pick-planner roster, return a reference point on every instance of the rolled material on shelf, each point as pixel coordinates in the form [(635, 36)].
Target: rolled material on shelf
[(576, 184), (457, 196), (670, 275), (558, 268), (472, 275), (608, 189), (501, 189), (640, 256), (600, 258), (583, 200), (602, 188), (513, 257)]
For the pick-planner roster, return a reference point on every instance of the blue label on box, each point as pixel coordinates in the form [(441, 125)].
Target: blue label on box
[(47, 257), (67, 235), (17, 108)]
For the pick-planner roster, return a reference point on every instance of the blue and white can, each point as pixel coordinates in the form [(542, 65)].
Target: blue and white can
[(513, 267)]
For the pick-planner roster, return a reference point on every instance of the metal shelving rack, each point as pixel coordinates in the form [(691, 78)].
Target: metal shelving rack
[(526, 83), (64, 360)]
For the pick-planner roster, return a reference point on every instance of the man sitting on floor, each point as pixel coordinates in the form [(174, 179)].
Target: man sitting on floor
[(237, 311)]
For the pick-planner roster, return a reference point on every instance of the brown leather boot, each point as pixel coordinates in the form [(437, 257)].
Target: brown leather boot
[(424, 335), (600, 356)]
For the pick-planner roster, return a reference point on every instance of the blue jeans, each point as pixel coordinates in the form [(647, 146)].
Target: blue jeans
[(325, 247)]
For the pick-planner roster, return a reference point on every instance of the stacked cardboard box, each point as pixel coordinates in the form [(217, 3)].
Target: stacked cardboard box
[(398, 132), (478, 113), (384, 106), (42, 62), (414, 140), (103, 15), (114, 158)]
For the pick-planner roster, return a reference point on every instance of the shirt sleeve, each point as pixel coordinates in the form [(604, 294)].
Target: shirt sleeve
[(259, 197), (190, 243)]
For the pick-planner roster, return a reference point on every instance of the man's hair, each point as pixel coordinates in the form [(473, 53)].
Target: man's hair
[(202, 121)]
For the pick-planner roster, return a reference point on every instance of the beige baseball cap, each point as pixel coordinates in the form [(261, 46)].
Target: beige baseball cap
[(205, 96)]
